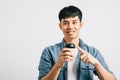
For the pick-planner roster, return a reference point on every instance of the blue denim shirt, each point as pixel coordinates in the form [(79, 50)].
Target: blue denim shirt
[(84, 71)]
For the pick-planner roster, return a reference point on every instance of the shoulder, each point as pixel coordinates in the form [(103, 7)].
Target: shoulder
[(91, 49), (52, 49), (51, 52)]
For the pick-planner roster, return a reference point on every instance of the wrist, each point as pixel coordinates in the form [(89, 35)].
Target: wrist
[(96, 63), (58, 66)]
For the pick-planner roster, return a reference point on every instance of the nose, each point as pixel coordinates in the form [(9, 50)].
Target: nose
[(70, 25)]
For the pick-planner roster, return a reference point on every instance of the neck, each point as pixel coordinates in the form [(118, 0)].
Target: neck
[(75, 41)]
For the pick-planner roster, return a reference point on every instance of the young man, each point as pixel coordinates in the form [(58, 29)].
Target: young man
[(55, 58)]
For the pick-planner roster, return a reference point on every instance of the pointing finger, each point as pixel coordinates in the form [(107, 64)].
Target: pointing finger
[(81, 50)]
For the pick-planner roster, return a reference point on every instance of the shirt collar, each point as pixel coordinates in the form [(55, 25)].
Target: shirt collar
[(81, 43)]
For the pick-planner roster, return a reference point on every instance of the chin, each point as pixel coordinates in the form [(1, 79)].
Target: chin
[(71, 37)]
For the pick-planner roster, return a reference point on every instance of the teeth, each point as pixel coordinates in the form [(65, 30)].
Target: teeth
[(70, 31)]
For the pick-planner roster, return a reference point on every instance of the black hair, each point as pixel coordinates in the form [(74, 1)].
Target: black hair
[(70, 11)]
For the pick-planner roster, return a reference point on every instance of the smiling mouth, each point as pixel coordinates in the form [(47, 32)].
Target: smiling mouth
[(70, 32)]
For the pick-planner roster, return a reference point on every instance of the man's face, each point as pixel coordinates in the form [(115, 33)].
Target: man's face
[(71, 27)]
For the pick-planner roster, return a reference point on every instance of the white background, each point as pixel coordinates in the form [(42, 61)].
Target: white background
[(28, 26)]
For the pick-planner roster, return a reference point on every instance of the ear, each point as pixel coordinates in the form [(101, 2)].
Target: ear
[(81, 24), (60, 26)]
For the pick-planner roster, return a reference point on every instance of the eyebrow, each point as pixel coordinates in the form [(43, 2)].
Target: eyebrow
[(65, 21), (68, 21)]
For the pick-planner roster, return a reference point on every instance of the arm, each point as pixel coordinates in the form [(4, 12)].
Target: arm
[(53, 74), (46, 67), (102, 72)]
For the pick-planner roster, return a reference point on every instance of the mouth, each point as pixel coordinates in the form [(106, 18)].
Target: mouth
[(70, 32)]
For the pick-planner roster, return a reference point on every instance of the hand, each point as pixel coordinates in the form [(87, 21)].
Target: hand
[(87, 57), (66, 55)]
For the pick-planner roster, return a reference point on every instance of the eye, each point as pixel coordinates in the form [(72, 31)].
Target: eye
[(74, 22), (65, 23)]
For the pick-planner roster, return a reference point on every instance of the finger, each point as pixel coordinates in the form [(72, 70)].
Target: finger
[(67, 54), (87, 61), (80, 49), (65, 50), (83, 56), (69, 58), (66, 58), (84, 59)]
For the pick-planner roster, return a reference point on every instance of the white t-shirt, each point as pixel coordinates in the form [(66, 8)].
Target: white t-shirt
[(71, 74)]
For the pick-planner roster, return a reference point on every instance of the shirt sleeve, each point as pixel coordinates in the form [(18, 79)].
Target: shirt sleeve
[(102, 61), (45, 64)]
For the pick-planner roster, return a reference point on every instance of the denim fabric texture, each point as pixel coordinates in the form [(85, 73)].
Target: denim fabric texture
[(85, 71)]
